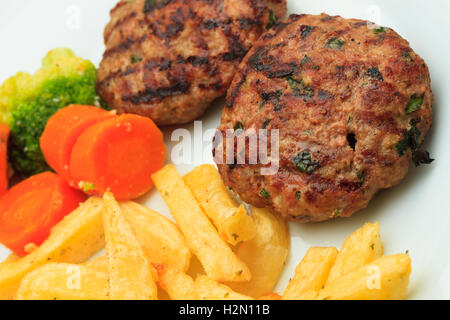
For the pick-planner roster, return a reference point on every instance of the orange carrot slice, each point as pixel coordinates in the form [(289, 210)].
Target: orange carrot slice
[(118, 154), (31, 208), (62, 131)]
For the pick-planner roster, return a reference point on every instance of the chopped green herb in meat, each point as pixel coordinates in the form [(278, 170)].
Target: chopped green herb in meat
[(300, 88), (264, 193), (335, 44), (304, 163), (415, 103), (273, 20)]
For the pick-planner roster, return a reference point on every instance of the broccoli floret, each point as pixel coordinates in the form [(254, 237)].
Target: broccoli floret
[(27, 102)]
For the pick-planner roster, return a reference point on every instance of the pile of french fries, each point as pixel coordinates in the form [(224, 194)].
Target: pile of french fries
[(216, 250)]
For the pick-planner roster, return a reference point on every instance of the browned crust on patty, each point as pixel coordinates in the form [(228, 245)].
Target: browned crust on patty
[(337, 89), (169, 59)]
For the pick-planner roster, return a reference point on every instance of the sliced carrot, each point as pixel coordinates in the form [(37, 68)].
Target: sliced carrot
[(31, 208), (4, 136), (62, 131), (118, 154)]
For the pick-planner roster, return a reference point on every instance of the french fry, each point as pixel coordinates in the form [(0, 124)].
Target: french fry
[(358, 250), (217, 258), (177, 284), (384, 279), (265, 254), (99, 263), (62, 281), (74, 240), (159, 237), (311, 274), (130, 273), (232, 221), (208, 289), (195, 268)]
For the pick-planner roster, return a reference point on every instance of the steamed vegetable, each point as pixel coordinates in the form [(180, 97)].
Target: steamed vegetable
[(118, 154), (28, 101), (62, 131), (31, 208)]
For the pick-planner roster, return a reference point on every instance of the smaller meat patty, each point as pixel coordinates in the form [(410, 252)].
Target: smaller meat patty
[(169, 59), (352, 103)]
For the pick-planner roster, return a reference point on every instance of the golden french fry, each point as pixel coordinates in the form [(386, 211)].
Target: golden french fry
[(99, 263), (177, 284), (62, 281), (311, 274), (217, 258), (208, 289), (195, 268), (358, 250), (384, 279), (265, 254), (233, 222), (130, 273), (76, 238), (159, 237)]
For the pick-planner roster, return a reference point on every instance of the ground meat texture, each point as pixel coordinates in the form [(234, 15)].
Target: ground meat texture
[(169, 59), (352, 103)]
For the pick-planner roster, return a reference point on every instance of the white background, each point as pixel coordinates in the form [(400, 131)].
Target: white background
[(413, 216)]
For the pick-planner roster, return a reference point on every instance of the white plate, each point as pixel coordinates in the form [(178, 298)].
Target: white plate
[(413, 216)]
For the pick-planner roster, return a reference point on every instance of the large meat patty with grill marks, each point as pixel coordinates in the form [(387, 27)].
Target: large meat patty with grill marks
[(352, 103), (169, 59)]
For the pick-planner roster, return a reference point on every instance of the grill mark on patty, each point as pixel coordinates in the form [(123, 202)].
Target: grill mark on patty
[(269, 65), (383, 121), (319, 185), (150, 93), (161, 63), (237, 49), (248, 23), (124, 20), (236, 89), (124, 45), (158, 5), (171, 30)]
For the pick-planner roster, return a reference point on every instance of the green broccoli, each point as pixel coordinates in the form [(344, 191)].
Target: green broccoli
[(28, 101)]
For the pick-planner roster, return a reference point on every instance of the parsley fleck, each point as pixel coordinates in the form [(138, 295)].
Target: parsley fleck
[(335, 44), (298, 195), (135, 59), (264, 193), (337, 212), (306, 59), (361, 175), (411, 141), (300, 88), (273, 20), (415, 103), (304, 163), (380, 30)]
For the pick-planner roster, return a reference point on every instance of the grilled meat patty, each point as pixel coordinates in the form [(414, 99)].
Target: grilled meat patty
[(352, 103), (169, 59)]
